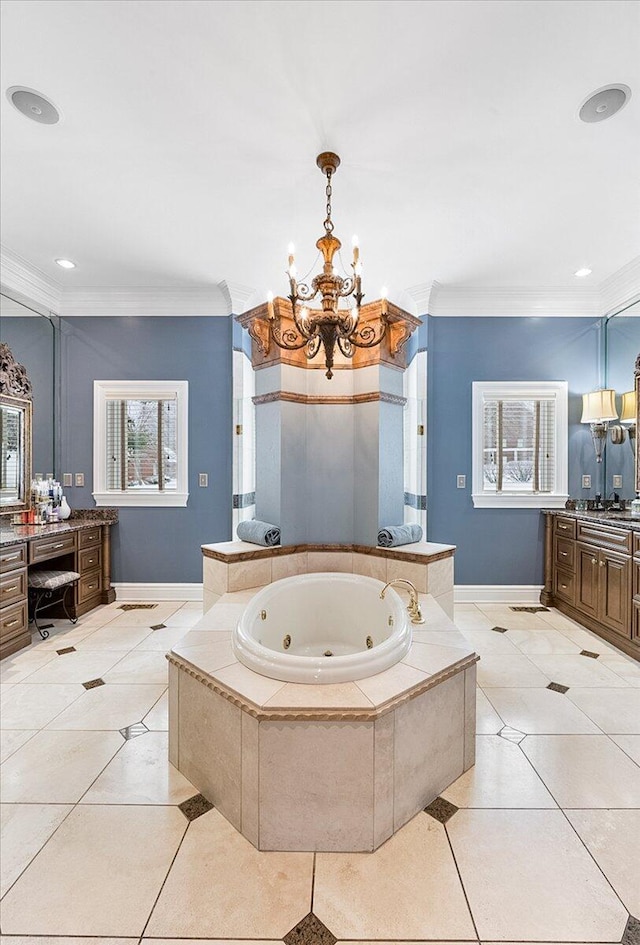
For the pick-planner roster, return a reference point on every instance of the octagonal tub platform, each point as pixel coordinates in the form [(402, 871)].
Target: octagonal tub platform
[(338, 767)]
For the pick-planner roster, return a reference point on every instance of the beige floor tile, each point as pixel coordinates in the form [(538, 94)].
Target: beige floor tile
[(20, 666), (75, 667), (630, 744), (145, 667), (540, 712), (557, 620), (157, 719), (472, 620), (587, 640), (12, 739), (109, 707), (489, 643), (113, 637), (501, 777), (624, 666), (542, 642), (66, 634), (204, 941), (616, 711), (67, 940), (488, 722), (164, 639), (409, 888), (503, 616), (87, 880), (584, 770), (56, 767), (141, 774), (145, 618), (24, 830), (498, 671), (577, 671), (25, 706), (612, 837), (187, 616), (529, 878), (221, 886)]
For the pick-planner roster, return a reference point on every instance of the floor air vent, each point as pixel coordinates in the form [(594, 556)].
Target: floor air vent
[(137, 606), (531, 610)]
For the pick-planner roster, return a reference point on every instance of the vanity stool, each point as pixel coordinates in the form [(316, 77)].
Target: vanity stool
[(42, 586)]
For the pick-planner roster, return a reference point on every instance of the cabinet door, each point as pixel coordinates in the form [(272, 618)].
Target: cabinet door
[(587, 585), (615, 592)]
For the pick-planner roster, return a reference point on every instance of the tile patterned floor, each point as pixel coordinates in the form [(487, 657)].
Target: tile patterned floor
[(103, 841)]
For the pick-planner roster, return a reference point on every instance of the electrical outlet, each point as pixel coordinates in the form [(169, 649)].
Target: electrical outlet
[(79, 479), (67, 479), (617, 482), (203, 480), (461, 482), (586, 482)]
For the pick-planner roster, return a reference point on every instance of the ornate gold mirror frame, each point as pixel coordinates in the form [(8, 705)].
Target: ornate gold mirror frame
[(15, 434)]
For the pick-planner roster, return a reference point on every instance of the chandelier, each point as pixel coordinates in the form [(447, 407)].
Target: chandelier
[(330, 325)]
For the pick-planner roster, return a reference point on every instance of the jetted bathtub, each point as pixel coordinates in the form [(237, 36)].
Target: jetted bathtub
[(322, 628)]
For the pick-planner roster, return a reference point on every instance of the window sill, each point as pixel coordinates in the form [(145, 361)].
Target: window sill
[(140, 499), (507, 501)]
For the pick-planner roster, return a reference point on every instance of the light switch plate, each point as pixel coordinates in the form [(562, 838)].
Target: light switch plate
[(617, 482), (203, 480), (79, 479), (461, 482), (586, 482), (67, 479)]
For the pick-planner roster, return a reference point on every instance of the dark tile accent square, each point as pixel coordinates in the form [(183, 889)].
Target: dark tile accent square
[(93, 683), (530, 610), (593, 656), (631, 935), (557, 687), (511, 734), (500, 629), (441, 810), (310, 931), (132, 731), (66, 649), (137, 606), (195, 806), (158, 626)]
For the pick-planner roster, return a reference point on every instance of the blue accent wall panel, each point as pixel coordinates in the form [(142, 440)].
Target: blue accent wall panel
[(500, 546), (153, 545)]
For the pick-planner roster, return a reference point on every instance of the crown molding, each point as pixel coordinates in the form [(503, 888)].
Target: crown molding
[(26, 282), (143, 301), (237, 296), (622, 288)]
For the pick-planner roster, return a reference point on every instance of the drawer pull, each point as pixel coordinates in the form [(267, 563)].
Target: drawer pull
[(602, 563), (59, 545), (594, 561), (10, 623), (11, 558), (563, 586), (563, 527), (11, 587), (564, 553), (90, 587)]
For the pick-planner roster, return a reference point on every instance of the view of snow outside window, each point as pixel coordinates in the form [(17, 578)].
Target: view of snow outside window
[(518, 448), (142, 444)]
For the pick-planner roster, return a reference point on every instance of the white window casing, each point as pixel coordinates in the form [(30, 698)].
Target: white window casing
[(105, 494), (549, 400)]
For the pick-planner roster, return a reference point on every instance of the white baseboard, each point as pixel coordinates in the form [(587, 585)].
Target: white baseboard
[(497, 593), (126, 591)]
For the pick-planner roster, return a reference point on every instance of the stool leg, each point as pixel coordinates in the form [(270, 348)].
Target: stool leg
[(64, 605), (37, 599)]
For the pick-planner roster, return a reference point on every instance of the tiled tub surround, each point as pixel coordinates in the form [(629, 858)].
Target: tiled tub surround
[(238, 565), (321, 767)]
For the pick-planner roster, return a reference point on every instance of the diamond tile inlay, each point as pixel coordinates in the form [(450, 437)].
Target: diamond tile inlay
[(92, 683), (132, 731), (310, 931), (530, 610), (158, 626), (441, 810), (500, 629), (594, 656), (557, 687), (195, 806), (66, 649), (511, 734), (631, 935)]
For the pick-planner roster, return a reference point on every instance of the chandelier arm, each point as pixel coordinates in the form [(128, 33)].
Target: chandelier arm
[(288, 339), (307, 331), (347, 287), (368, 336), (303, 292), (345, 346), (313, 346)]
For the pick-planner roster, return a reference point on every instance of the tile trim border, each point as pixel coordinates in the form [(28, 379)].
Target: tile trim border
[(392, 554), (293, 398)]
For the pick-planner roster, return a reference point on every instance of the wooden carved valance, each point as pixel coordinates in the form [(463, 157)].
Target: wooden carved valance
[(14, 381)]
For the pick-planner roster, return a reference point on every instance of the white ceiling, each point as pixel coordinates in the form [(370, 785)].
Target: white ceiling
[(186, 151)]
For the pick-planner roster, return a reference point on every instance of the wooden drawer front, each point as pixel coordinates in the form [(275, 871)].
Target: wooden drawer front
[(44, 548), (89, 585), (15, 556), (603, 536), (636, 579), (636, 543), (90, 559), (588, 577), (565, 553), (564, 585), (90, 536), (13, 621), (615, 592), (565, 527), (635, 622), (13, 587)]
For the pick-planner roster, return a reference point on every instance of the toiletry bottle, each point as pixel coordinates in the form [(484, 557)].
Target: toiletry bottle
[(635, 506)]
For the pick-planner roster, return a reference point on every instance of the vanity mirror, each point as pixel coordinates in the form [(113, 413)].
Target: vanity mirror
[(621, 349)]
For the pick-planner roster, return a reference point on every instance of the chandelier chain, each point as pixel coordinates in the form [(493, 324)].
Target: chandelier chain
[(328, 223)]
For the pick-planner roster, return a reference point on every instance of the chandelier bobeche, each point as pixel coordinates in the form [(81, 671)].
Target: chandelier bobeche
[(330, 325)]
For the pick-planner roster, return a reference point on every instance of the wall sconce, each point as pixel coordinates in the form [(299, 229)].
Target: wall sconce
[(628, 415), (598, 408)]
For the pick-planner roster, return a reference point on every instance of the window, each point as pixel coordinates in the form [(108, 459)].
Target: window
[(520, 439), (140, 443)]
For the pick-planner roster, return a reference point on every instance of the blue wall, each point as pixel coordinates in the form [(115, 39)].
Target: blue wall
[(155, 545), (500, 546)]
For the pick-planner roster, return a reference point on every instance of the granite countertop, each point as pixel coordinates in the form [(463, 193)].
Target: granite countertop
[(417, 552), (14, 534), (605, 517)]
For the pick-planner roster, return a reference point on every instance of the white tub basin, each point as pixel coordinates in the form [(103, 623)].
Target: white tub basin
[(322, 628)]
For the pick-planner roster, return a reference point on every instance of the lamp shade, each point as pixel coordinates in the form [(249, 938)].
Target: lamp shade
[(628, 411), (599, 406)]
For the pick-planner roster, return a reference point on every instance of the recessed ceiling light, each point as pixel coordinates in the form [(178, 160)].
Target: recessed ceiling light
[(66, 263), (33, 105), (581, 273), (604, 102)]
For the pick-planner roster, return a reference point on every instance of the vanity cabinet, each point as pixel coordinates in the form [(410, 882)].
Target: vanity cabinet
[(14, 629), (592, 574)]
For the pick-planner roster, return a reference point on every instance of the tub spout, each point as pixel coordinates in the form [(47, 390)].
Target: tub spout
[(414, 607)]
